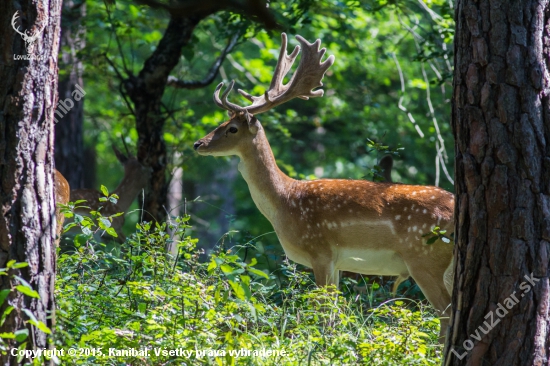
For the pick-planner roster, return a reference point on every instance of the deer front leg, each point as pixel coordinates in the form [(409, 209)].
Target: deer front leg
[(325, 273)]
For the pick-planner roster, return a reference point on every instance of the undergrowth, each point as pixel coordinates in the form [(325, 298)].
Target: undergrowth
[(135, 304)]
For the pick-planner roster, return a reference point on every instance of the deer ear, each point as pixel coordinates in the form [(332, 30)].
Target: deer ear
[(253, 124)]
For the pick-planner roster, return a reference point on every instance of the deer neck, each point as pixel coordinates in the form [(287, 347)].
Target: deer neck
[(268, 185)]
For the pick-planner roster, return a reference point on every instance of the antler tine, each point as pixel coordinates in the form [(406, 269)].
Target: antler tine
[(311, 77), (217, 96), (223, 102), (308, 76), (284, 63), (228, 105)]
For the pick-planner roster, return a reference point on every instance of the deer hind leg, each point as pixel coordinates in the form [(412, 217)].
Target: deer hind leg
[(448, 277), (434, 288), (400, 279)]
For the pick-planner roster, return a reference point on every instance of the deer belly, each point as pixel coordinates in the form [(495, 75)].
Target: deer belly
[(371, 262), (294, 253)]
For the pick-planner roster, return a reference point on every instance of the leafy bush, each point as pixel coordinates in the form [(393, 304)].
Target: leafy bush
[(224, 312), (18, 284)]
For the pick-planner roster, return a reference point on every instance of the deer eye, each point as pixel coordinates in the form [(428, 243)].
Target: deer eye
[(233, 130)]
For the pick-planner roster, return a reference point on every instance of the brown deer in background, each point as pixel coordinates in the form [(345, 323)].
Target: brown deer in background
[(335, 224), (135, 179), (62, 194)]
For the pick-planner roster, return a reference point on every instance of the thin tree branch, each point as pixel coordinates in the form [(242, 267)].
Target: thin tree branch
[(195, 84), (187, 8), (121, 88)]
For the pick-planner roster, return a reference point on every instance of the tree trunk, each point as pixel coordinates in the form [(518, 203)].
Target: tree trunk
[(145, 91), (28, 95), (69, 154), (501, 123)]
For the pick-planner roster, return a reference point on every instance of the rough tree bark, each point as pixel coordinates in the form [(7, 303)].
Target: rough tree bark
[(146, 89), (28, 95), (501, 123), (69, 154)]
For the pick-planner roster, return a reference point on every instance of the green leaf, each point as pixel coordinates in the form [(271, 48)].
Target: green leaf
[(21, 335), (23, 282), (10, 263), (111, 232), (20, 265), (78, 218), (27, 291), (31, 316), (7, 312), (43, 327), (237, 288), (7, 335), (104, 223), (104, 190), (3, 295), (80, 240), (257, 272), (226, 268), (432, 240), (68, 214), (213, 265), (246, 290), (142, 307)]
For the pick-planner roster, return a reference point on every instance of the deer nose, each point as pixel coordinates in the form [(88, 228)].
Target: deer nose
[(197, 144)]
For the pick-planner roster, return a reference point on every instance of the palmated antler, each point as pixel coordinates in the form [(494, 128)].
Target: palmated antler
[(307, 77)]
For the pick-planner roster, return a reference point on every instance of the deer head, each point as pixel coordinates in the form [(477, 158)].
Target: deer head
[(135, 179), (241, 129)]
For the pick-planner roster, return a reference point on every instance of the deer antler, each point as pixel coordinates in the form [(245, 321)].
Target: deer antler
[(307, 77)]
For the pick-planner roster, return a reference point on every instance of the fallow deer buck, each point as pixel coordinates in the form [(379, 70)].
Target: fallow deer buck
[(335, 224), (135, 179)]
